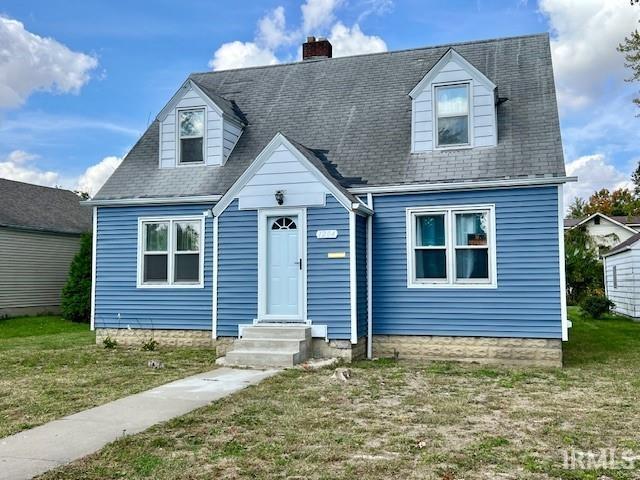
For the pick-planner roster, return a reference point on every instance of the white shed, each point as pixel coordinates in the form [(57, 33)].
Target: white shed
[(622, 276)]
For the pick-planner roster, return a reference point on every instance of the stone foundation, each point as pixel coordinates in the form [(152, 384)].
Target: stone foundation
[(489, 350), (165, 338), (342, 349)]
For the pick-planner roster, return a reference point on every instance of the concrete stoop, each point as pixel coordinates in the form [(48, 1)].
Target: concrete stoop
[(271, 345)]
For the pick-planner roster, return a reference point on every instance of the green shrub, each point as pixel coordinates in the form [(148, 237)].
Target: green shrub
[(149, 345), (109, 343), (76, 294), (583, 269), (596, 305)]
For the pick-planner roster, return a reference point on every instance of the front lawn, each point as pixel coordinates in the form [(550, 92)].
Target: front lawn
[(402, 420), (50, 367)]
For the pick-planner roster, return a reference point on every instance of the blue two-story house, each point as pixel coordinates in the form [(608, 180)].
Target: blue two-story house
[(405, 203)]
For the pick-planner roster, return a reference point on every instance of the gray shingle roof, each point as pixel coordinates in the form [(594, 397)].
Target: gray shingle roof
[(625, 220), (623, 245), (228, 107), (23, 205), (357, 111)]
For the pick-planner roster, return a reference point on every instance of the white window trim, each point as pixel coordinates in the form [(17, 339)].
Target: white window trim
[(450, 281), (434, 109), (171, 220), (179, 163)]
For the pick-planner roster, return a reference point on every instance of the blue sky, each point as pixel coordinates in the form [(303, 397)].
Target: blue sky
[(82, 80)]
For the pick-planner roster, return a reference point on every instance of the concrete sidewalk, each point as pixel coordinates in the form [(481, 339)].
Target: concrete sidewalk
[(32, 452)]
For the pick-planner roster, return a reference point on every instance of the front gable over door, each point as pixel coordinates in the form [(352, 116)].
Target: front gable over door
[(292, 171), (282, 171)]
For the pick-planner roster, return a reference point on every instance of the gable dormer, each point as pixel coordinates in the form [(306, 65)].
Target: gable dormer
[(453, 107), (197, 127)]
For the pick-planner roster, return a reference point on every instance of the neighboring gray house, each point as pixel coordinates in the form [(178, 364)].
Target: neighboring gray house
[(40, 230), (622, 276)]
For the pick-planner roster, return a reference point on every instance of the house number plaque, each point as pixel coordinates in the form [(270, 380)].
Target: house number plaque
[(327, 234)]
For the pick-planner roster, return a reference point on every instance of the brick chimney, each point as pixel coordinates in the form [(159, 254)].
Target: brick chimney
[(316, 48)]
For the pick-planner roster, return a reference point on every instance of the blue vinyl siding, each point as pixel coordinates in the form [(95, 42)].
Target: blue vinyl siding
[(328, 300), (361, 273), (527, 300), (116, 275), (237, 269)]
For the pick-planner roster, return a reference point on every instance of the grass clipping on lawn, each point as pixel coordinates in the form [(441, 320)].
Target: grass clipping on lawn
[(403, 420)]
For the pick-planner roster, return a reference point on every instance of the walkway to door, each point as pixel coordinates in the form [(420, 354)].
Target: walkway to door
[(43, 448)]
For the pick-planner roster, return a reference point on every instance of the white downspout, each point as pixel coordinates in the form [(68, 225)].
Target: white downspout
[(94, 242), (369, 279)]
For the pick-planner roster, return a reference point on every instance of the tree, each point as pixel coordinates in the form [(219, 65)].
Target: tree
[(76, 294), (584, 273), (82, 195), (576, 209), (621, 202), (631, 50)]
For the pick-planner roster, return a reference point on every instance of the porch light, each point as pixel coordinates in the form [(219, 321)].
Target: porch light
[(280, 197)]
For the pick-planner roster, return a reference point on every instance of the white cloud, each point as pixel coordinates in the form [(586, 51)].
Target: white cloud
[(94, 177), (272, 31), (241, 54), (594, 172), (585, 36), (351, 41), (18, 166), (29, 62), (318, 14)]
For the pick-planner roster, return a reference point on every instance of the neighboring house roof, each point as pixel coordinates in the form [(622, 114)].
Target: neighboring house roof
[(32, 207), (357, 112), (623, 221), (622, 246)]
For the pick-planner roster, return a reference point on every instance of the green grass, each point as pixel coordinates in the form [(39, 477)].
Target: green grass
[(610, 339), (405, 420), (50, 367)]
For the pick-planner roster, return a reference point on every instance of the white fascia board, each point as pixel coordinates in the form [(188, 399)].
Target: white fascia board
[(120, 202), (451, 54), (430, 187), (625, 249), (188, 83), (262, 157)]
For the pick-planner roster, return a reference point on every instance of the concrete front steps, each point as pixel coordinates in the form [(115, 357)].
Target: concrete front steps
[(271, 345)]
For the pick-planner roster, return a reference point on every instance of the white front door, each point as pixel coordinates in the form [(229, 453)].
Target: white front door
[(283, 266)]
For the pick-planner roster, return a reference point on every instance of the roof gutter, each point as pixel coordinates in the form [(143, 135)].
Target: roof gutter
[(120, 202), (428, 187)]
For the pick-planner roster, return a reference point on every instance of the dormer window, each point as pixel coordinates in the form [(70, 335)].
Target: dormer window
[(191, 133), (453, 106), (452, 115)]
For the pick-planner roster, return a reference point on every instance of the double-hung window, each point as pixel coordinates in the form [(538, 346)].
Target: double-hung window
[(191, 133), (451, 246), (452, 115), (170, 252)]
